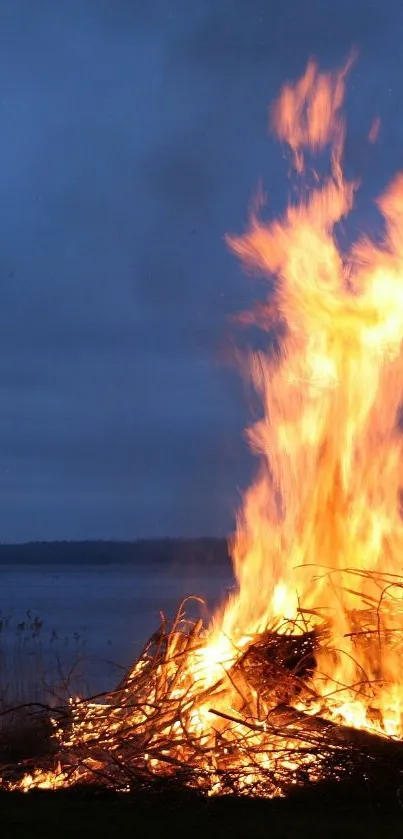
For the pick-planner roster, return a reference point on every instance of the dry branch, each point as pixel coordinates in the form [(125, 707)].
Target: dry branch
[(254, 739)]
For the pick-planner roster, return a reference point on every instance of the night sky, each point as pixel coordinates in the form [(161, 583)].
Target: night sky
[(133, 137)]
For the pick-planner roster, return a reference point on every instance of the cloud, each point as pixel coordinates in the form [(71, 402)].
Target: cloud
[(133, 138)]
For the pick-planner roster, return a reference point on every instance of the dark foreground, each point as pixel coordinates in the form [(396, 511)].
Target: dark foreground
[(77, 814), (363, 805)]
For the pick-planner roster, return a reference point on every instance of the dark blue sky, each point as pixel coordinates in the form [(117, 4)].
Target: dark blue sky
[(133, 137)]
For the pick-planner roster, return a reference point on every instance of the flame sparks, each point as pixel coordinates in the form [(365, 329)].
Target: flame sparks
[(318, 546)]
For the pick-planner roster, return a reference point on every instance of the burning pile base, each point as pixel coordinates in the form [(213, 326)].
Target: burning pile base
[(258, 730)]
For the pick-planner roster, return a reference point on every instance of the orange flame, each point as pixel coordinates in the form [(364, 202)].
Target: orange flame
[(326, 498)]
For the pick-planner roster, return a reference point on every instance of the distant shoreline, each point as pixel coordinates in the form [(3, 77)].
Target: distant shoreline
[(207, 551)]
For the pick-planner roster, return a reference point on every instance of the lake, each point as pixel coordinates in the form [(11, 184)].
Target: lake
[(95, 620)]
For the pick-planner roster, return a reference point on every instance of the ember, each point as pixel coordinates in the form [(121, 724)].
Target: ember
[(299, 677)]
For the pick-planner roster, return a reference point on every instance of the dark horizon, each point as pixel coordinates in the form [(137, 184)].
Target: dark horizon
[(204, 552), (117, 541), (134, 137)]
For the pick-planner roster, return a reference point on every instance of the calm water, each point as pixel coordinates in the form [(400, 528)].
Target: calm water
[(98, 617)]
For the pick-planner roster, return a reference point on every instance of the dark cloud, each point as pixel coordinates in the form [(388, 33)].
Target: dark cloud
[(273, 37), (133, 136)]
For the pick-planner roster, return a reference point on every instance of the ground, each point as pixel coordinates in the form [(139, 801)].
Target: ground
[(82, 814), (357, 808)]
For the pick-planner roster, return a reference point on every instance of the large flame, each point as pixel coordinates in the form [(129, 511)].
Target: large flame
[(321, 527), (319, 539)]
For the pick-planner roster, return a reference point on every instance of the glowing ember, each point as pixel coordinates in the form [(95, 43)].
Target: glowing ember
[(312, 639)]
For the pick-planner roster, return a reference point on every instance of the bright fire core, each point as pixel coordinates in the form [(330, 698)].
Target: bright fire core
[(318, 546)]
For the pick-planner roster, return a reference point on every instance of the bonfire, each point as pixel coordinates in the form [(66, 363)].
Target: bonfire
[(298, 678)]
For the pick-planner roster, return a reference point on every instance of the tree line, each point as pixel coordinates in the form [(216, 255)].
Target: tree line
[(165, 551)]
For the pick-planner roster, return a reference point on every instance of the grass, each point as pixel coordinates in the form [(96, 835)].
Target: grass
[(31, 668), (32, 674), (87, 813)]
